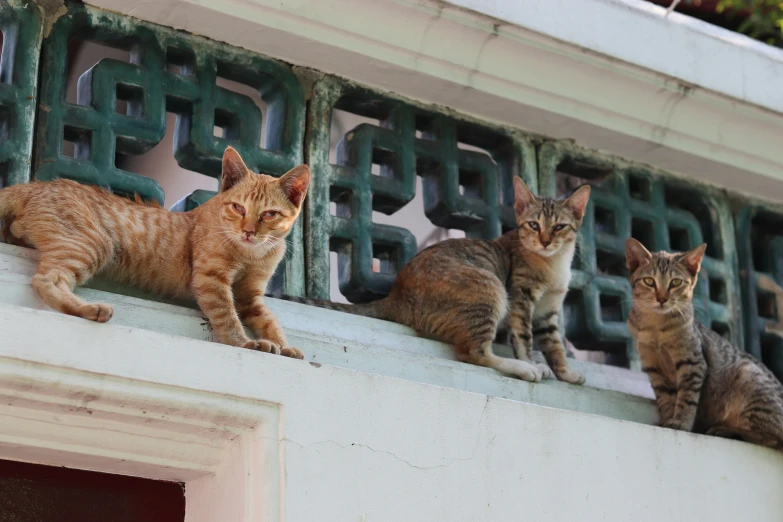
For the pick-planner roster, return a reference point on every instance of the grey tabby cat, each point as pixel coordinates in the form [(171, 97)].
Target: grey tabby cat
[(702, 383), (460, 290)]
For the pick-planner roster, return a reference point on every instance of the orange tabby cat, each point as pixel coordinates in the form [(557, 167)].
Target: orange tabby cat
[(236, 239)]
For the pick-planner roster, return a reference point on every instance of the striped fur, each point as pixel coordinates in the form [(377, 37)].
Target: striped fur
[(224, 251), (460, 290), (702, 383)]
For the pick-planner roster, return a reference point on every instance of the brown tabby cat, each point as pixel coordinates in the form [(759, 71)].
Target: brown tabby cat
[(460, 290), (235, 239), (702, 382)]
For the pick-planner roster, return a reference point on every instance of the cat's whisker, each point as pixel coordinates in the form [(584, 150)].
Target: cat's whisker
[(194, 254)]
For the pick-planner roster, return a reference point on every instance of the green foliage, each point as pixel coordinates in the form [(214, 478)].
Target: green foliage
[(764, 19)]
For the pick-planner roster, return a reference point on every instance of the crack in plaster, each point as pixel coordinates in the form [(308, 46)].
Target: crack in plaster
[(401, 459)]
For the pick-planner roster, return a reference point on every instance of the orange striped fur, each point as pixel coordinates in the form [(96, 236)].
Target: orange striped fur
[(223, 252)]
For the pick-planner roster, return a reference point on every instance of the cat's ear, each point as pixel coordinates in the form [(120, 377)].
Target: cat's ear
[(635, 255), (691, 260), (522, 195), (295, 182), (577, 201), (234, 169)]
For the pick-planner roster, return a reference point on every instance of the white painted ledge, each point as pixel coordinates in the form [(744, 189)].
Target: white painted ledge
[(359, 343), (351, 445), (611, 74)]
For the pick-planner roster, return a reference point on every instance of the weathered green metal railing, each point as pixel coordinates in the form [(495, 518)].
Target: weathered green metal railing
[(409, 141), (662, 211), (150, 90), (21, 29), (470, 190), (760, 254)]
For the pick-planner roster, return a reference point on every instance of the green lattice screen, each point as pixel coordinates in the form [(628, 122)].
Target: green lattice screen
[(465, 168), (171, 72), (660, 210), (760, 254), (463, 189), (20, 24)]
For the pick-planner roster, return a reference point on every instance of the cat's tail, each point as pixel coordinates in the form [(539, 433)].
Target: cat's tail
[(13, 199), (377, 309)]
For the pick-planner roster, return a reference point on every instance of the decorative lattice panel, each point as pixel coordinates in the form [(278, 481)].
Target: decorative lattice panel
[(20, 24), (760, 255), (376, 169), (661, 211), (121, 109), (396, 152)]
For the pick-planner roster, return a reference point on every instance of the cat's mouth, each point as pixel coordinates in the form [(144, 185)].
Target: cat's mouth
[(246, 241), (547, 251), (661, 308)]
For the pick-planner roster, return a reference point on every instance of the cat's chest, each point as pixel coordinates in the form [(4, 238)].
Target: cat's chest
[(553, 275), (560, 270), (662, 351), (656, 356), (560, 277)]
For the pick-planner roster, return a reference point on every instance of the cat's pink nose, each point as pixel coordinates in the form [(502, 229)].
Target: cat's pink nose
[(546, 243), (249, 233), (662, 300)]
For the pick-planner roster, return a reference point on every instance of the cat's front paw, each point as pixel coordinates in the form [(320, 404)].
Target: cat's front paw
[(546, 371), (263, 345), (290, 351), (97, 312), (572, 377), (673, 424)]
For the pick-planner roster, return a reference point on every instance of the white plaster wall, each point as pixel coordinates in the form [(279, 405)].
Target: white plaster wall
[(363, 447)]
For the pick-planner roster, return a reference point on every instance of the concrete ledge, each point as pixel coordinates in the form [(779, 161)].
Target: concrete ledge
[(358, 343), (356, 446)]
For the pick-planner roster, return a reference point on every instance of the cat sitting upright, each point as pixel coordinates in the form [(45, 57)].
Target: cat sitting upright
[(702, 382), (224, 251)]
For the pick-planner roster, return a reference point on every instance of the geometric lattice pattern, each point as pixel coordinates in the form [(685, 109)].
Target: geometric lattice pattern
[(20, 25), (462, 189), (465, 167), (760, 255), (663, 213), (172, 72)]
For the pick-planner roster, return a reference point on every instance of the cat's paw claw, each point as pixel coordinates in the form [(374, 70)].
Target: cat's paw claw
[(290, 351), (263, 346), (530, 373), (267, 346), (546, 371), (98, 312)]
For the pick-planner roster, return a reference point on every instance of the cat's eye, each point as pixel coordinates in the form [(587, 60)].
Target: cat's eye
[(239, 209), (649, 281), (533, 225), (675, 283), (270, 214), (558, 228)]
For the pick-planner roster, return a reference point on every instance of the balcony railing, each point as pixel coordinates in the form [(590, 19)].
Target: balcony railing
[(399, 154)]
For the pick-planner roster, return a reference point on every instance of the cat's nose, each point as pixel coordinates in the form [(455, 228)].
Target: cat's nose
[(249, 233), (545, 242), (662, 300)]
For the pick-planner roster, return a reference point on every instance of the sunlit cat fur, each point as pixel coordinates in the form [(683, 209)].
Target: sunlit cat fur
[(460, 290), (223, 252)]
